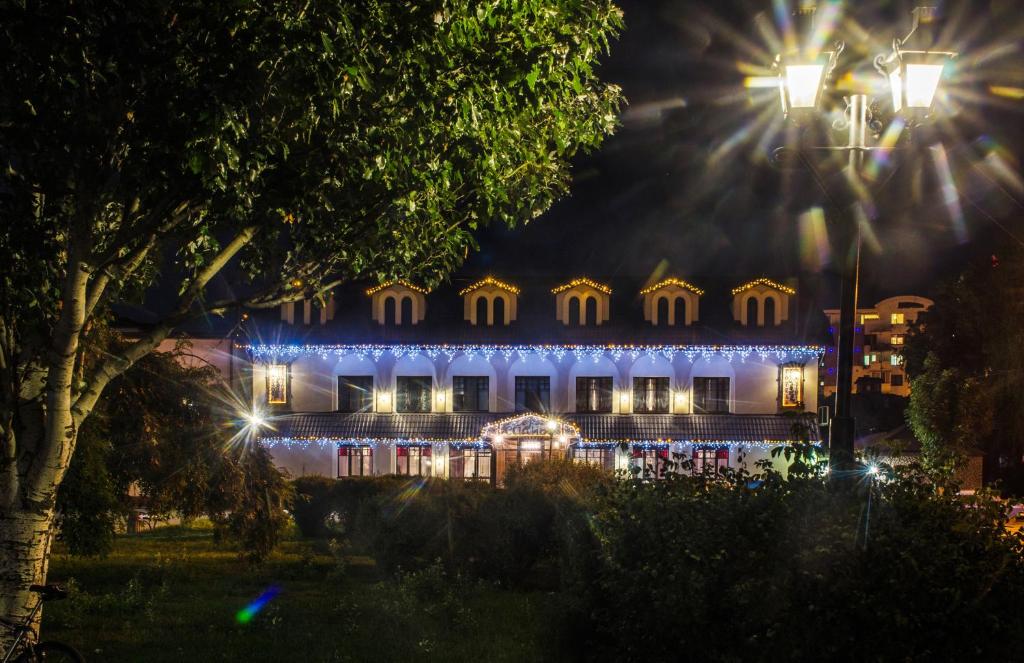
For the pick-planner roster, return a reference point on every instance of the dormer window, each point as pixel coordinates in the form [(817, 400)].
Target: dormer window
[(671, 302), (761, 303), (277, 384), (490, 302), (582, 302), (398, 303), (791, 386)]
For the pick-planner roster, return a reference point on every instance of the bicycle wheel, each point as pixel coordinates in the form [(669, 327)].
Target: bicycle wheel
[(52, 652)]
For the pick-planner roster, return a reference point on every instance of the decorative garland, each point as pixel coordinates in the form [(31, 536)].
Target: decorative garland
[(332, 442), (278, 352)]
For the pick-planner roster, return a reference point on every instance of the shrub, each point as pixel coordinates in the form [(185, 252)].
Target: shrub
[(773, 568)]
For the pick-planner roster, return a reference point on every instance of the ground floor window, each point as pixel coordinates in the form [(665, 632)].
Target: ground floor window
[(652, 462), (355, 461), (470, 463), (709, 459), (413, 460), (603, 457)]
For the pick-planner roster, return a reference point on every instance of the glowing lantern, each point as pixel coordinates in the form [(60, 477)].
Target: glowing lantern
[(914, 75), (801, 82)]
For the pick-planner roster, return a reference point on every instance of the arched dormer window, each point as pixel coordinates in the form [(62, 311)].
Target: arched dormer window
[(761, 303), (486, 299), (575, 312), (681, 302), (583, 290), (408, 302)]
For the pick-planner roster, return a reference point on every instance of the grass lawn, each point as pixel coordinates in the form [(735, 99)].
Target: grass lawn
[(175, 595)]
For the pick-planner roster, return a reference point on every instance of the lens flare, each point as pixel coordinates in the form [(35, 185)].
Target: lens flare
[(950, 196), (814, 248), (245, 615)]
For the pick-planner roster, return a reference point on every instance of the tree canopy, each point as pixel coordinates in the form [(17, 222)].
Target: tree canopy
[(967, 375), (298, 144)]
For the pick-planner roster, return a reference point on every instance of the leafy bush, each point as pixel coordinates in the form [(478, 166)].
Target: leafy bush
[(771, 568), (326, 507)]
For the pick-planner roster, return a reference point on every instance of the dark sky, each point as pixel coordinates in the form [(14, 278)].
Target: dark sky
[(686, 186)]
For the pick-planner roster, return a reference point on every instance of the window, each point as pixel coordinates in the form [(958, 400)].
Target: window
[(469, 463), (709, 460), (533, 394), (868, 316), (277, 384), (355, 393), (414, 394), (867, 360), (413, 461), (792, 386), (593, 394), (470, 394), (651, 395), (897, 339), (652, 463), (896, 360), (897, 318), (355, 461), (711, 395), (896, 380), (603, 457)]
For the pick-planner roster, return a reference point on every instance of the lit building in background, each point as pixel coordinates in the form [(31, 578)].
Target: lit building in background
[(881, 334), (469, 380)]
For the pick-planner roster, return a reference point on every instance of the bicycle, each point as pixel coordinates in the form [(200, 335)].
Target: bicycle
[(42, 651)]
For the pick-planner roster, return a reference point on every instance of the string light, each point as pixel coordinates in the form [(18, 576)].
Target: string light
[(672, 281), (377, 442), (490, 280), (582, 281), (277, 352), (388, 284), (765, 282)]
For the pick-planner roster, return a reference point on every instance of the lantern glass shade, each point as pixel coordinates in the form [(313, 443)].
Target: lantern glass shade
[(914, 78), (803, 84)]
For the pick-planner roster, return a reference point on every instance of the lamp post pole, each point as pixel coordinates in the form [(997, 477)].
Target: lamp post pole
[(914, 77)]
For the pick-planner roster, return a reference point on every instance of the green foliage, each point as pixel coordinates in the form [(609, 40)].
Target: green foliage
[(160, 433), (774, 568), (967, 373)]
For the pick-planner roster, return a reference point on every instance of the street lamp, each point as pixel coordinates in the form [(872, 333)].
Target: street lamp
[(914, 74)]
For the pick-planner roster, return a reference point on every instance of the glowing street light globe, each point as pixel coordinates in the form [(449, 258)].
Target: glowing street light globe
[(914, 78), (802, 81)]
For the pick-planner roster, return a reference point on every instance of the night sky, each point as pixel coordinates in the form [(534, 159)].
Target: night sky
[(686, 186)]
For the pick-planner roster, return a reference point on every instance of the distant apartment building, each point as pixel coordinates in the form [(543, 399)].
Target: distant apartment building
[(881, 332)]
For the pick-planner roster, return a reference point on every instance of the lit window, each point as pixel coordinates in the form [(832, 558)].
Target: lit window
[(897, 339), (413, 460), (897, 319), (896, 360), (868, 316), (650, 463), (593, 394), (355, 461), (414, 393), (277, 384), (792, 386), (709, 460), (603, 457), (470, 463), (651, 395)]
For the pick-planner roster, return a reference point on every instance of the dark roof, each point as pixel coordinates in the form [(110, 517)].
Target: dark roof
[(749, 428)]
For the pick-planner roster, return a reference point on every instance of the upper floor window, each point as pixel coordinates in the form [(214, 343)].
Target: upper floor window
[(711, 395), (470, 393), (897, 339), (897, 318), (533, 393), (355, 461), (413, 460), (277, 384), (651, 395), (896, 360), (709, 459), (413, 393), (792, 386), (865, 317), (593, 394), (355, 393)]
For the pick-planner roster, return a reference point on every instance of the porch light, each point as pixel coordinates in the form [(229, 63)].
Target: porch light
[(255, 419), (624, 401), (552, 425), (440, 398), (498, 439), (562, 439), (384, 398)]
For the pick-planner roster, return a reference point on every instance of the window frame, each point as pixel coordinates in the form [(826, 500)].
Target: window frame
[(402, 399), (424, 460), (478, 454), (597, 394), (366, 460), (486, 405), (798, 403), (702, 455), (640, 391), (366, 398), (726, 401), (660, 466), (285, 378), (521, 405), (602, 457)]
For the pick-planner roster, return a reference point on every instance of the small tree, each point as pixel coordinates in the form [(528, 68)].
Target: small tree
[(284, 147)]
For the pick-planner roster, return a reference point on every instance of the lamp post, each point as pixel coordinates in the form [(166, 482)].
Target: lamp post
[(913, 70)]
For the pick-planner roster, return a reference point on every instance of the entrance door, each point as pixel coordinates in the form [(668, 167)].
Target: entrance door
[(522, 451)]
